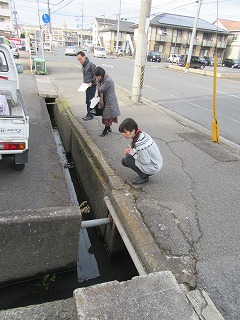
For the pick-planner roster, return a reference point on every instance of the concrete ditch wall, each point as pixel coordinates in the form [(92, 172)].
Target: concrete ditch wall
[(99, 180), (39, 241)]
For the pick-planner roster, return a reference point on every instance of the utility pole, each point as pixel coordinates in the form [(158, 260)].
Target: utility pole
[(118, 26), (82, 27), (40, 30), (50, 27), (215, 127), (15, 19), (140, 58), (193, 36)]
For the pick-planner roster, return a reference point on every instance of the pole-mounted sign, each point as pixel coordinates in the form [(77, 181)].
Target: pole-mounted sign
[(46, 18)]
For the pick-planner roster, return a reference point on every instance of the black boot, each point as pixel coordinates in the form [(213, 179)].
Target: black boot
[(105, 132)]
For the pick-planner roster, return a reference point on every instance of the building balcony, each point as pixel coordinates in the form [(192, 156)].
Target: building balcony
[(196, 42), (4, 26), (207, 43), (163, 38), (5, 13), (179, 40), (221, 44)]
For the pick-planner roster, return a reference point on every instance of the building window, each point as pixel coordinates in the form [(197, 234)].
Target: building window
[(235, 37), (161, 31), (207, 36), (159, 48), (175, 49), (177, 33)]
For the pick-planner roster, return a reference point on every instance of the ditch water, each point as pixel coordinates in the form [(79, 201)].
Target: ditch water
[(93, 264)]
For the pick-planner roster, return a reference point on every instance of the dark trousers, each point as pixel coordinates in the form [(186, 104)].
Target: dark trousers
[(129, 161), (90, 93)]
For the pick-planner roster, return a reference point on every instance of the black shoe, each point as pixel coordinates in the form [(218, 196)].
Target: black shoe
[(87, 118), (106, 131), (140, 180)]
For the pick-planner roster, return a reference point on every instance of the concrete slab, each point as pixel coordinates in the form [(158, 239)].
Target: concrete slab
[(45, 87), (57, 310), (154, 296)]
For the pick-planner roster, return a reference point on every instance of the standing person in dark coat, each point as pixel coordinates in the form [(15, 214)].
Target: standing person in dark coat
[(108, 99), (89, 78)]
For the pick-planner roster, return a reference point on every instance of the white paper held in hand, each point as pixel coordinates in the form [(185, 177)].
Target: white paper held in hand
[(83, 87), (94, 102)]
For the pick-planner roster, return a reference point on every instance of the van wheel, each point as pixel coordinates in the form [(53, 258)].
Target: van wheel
[(19, 166), (202, 67)]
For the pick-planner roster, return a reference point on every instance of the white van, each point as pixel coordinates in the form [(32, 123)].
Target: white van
[(99, 52)]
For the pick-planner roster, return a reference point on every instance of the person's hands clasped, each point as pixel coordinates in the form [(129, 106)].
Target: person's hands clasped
[(127, 150)]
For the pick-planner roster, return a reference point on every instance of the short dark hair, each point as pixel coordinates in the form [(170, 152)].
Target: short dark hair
[(80, 53), (99, 71), (128, 125)]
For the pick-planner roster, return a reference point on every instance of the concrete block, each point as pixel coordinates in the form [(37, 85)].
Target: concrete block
[(154, 296), (37, 241), (57, 310)]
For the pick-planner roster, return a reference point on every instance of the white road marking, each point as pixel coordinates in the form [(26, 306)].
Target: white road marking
[(193, 104), (107, 65)]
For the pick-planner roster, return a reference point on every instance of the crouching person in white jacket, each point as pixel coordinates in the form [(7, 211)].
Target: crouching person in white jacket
[(143, 155)]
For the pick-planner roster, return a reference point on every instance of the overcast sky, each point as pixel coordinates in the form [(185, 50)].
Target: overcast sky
[(80, 13)]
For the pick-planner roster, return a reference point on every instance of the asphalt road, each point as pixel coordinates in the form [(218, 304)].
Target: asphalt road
[(190, 95), (42, 183)]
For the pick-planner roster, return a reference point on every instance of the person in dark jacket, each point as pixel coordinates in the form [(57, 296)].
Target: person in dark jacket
[(108, 99), (89, 78)]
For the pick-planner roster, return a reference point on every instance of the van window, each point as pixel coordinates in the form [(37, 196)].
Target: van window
[(3, 63), (99, 48)]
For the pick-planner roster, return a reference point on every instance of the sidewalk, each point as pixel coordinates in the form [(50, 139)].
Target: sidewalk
[(191, 207)]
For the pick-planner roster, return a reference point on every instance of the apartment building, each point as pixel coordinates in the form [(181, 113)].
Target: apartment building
[(105, 32), (171, 34), (233, 42), (6, 24), (60, 37)]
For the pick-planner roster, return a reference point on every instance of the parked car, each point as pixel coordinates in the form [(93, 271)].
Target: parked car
[(4, 40), (173, 58), (231, 63), (203, 60), (99, 52), (14, 50), (70, 50), (210, 60), (153, 56), (46, 46), (195, 62)]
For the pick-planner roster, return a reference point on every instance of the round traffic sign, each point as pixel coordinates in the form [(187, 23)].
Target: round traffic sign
[(46, 18)]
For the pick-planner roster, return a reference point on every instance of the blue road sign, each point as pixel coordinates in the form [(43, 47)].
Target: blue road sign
[(46, 18)]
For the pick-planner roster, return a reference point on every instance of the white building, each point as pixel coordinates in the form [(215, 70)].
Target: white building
[(6, 24), (233, 42)]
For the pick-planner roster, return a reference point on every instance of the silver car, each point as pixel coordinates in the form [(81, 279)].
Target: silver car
[(70, 50)]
